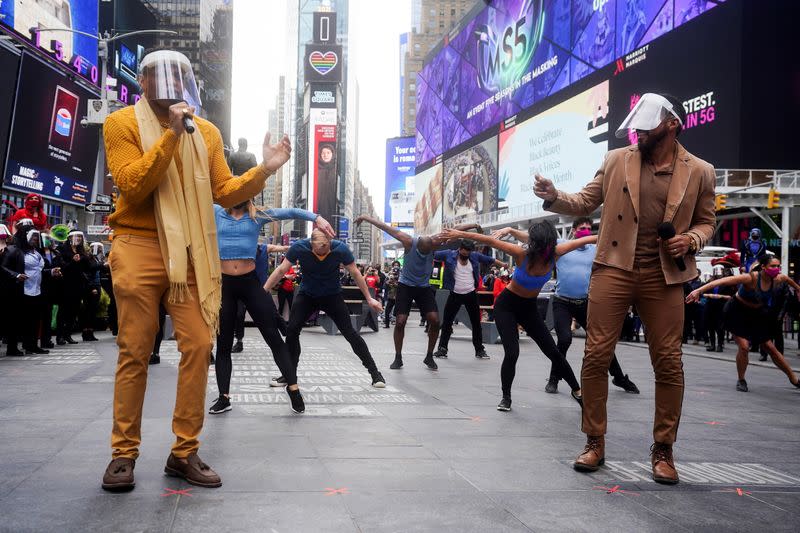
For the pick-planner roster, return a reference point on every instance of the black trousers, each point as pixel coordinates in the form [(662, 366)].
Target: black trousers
[(563, 313), (68, 312), (511, 310), (693, 323), (162, 317), (239, 330), (712, 319), (284, 298), (248, 290), (89, 311), (32, 311), (46, 319), (333, 306), (454, 303), (108, 287), (387, 311)]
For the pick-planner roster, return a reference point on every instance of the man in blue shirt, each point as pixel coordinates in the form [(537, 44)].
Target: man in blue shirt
[(414, 286), (571, 301), (321, 289), (461, 272)]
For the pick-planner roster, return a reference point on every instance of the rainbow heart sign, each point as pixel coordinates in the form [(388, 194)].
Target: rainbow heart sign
[(323, 62)]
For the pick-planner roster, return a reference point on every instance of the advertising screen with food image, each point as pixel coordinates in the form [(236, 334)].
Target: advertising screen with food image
[(470, 181), (428, 209), (565, 144)]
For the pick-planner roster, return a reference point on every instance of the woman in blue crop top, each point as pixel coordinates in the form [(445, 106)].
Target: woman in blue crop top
[(238, 229), (516, 306), (746, 315)]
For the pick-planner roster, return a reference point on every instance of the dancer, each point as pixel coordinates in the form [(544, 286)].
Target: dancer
[(461, 273), (516, 306), (747, 315), (751, 249), (321, 289), (165, 249), (414, 286), (713, 314), (641, 187), (238, 229), (571, 299)]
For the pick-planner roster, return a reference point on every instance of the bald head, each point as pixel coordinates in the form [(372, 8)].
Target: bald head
[(425, 245)]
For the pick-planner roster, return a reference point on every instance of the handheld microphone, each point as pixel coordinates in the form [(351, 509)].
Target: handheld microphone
[(188, 124), (666, 231)]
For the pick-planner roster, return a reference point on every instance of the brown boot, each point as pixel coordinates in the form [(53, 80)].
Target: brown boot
[(193, 470), (119, 475), (593, 455), (663, 466)]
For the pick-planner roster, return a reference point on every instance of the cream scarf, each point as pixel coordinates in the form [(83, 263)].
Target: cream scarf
[(184, 209)]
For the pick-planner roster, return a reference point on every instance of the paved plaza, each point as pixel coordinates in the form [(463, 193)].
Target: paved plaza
[(428, 453)]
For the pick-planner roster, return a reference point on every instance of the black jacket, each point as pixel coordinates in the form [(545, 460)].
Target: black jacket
[(75, 273), (14, 265)]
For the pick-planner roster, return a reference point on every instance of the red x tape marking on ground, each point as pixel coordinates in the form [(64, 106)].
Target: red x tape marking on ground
[(738, 491), (615, 490), (714, 423), (181, 492), (331, 491), (476, 418)]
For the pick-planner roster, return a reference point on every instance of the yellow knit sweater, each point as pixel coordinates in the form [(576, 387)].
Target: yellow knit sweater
[(137, 173)]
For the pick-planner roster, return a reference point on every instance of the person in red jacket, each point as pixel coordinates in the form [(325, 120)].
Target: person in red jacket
[(34, 210)]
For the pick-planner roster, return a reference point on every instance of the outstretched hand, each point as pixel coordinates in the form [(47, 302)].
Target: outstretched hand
[(544, 188), (375, 305), (450, 234), (275, 155), (693, 297), (359, 219), (502, 232)]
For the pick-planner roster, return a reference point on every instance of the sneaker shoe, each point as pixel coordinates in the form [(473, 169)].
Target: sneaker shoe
[(397, 363), (577, 397), (377, 380), (193, 470), (279, 381), (61, 341), (763, 357), (48, 344), (710, 348), (119, 475), (222, 405), (552, 386), (155, 359), (720, 349), (238, 347), (626, 384), (741, 385), (441, 352), (35, 350), (386, 326), (70, 340), (481, 354), (430, 363), (505, 404), (298, 405)]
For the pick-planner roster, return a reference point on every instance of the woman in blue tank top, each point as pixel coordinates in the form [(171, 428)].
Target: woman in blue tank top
[(746, 315), (516, 305), (238, 229)]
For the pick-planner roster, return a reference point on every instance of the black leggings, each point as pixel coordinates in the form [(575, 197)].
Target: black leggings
[(454, 303), (68, 309), (712, 319), (336, 309), (387, 311), (511, 310), (247, 289), (284, 298)]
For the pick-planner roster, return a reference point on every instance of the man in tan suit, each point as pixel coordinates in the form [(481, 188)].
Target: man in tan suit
[(640, 187)]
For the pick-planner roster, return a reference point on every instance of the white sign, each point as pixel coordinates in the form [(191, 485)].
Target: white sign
[(98, 230)]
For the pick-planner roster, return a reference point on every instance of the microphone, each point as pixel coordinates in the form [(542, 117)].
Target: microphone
[(188, 125), (666, 231)]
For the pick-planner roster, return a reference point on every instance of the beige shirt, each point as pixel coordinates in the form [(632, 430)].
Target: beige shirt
[(652, 204)]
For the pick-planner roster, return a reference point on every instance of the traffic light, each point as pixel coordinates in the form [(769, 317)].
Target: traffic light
[(719, 202), (773, 199)]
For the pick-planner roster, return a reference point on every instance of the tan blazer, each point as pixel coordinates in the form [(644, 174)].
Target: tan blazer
[(690, 208)]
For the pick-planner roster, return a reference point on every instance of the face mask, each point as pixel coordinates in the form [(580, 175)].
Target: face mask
[(772, 271), (583, 232), (240, 206), (754, 236)]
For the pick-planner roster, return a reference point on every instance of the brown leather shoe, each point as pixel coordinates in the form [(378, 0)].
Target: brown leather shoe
[(663, 467), (193, 470), (119, 475), (593, 455)]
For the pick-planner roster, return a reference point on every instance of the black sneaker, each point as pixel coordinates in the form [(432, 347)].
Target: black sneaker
[(626, 384), (377, 380), (48, 344), (441, 352), (741, 385), (505, 404), (279, 381), (386, 326), (397, 363), (222, 405), (710, 348), (70, 340), (238, 347), (430, 363), (35, 350), (763, 357), (298, 405), (61, 341), (720, 349), (552, 386), (481, 354), (155, 359), (577, 397)]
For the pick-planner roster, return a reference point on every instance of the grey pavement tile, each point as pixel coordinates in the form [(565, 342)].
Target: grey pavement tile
[(482, 447), (424, 475), (372, 451), (514, 475)]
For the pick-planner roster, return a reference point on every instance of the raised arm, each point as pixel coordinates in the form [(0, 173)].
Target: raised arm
[(581, 203), (520, 235), (512, 249), (277, 274), (277, 249), (404, 238), (694, 296), (294, 213), (355, 273), (573, 244)]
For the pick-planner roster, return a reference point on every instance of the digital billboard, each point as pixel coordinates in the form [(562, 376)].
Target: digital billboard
[(428, 195), (399, 200), (322, 162), (514, 53), (566, 144), (323, 63), (9, 63), (470, 181), (79, 15), (49, 152)]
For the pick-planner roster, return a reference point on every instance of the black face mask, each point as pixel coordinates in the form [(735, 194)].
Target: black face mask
[(240, 206)]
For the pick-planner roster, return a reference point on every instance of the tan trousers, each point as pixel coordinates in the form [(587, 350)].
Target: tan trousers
[(140, 285), (611, 292)]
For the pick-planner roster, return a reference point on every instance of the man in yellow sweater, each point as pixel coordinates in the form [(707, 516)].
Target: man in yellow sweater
[(165, 251)]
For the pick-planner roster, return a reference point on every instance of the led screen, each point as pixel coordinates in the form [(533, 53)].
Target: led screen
[(428, 209), (470, 181), (399, 201)]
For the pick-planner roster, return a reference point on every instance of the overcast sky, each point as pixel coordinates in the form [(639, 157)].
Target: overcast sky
[(260, 56)]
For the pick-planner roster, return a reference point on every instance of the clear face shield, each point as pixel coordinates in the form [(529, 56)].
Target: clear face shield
[(47, 241), (97, 249), (76, 238), (34, 238), (167, 76), (647, 114)]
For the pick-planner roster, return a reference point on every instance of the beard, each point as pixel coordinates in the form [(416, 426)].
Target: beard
[(653, 139)]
